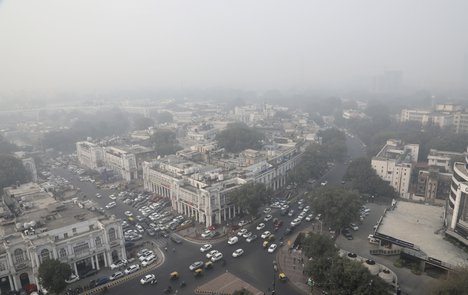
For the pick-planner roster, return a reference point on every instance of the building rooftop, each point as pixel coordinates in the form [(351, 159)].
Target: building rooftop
[(421, 225)]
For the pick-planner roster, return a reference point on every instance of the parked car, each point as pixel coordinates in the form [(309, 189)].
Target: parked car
[(261, 226), (265, 235), (241, 232), (176, 240), (132, 268), (73, 278), (118, 264), (116, 275), (211, 253)]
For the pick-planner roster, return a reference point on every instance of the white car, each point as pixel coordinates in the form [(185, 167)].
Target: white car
[(111, 205), (148, 279), (268, 217), (261, 226), (272, 248), (112, 197), (251, 238), (207, 234), (242, 223), (246, 235), (267, 210), (148, 260), (265, 235), (295, 222), (131, 269), (237, 253), (309, 217), (205, 248), (233, 240), (145, 255), (211, 253), (196, 265), (73, 278), (128, 213), (118, 264), (116, 275), (217, 257), (241, 232), (98, 195), (354, 226)]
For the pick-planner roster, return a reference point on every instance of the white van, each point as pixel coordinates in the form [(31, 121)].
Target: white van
[(233, 240)]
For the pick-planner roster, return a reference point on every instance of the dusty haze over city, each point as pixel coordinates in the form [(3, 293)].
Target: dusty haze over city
[(86, 46)]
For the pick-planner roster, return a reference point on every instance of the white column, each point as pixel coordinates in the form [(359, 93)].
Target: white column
[(10, 281), (14, 283), (75, 268), (97, 261), (92, 262)]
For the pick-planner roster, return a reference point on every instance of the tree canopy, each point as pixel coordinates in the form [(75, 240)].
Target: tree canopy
[(338, 206), (52, 275), (238, 137), (163, 117), (12, 171), (6, 146), (456, 283), (365, 180), (332, 272), (103, 123), (312, 165), (141, 123), (333, 143), (250, 197), (165, 142)]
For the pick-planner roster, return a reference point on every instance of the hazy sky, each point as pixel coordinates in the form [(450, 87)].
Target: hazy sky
[(101, 45)]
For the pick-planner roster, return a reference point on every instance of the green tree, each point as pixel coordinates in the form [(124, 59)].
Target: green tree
[(141, 123), (318, 246), (12, 171), (250, 197), (6, 146), (238, 137), (163, 117), (52, 275), (456, 283), (339, 207), (312, 165), (165, 142), (365, 180), (333, 143)]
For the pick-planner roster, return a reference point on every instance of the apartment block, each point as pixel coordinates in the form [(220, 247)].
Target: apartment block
[(394, 164)]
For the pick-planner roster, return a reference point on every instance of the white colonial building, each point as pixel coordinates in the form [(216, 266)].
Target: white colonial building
[(45, 228), (200, 190)]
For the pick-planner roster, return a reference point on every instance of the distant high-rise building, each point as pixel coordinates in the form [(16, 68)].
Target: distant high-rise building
[(388, 82)]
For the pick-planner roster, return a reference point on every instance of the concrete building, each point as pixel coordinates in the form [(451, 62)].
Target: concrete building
[(443, 159), (200, 190), (457, 203), (443, 115), (125, 160), (44, 228), (394, 163), (89, 154)]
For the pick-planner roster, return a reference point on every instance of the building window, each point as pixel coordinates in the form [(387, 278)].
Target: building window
[(112, 235), (62, 252), (98, 242), (45, 255), (2, 266), (74, 230), (65, 235), (19, 255), (81, 248)]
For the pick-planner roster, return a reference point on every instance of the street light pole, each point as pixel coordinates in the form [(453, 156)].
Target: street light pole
[(274, 277)]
